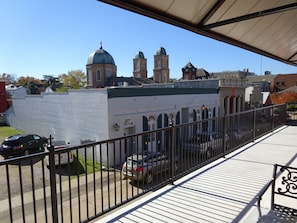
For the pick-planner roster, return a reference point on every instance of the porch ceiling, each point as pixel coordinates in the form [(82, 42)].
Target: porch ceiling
[(265, 27)]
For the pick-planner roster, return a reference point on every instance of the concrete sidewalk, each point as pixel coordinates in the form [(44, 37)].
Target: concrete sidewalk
[(223, 191)]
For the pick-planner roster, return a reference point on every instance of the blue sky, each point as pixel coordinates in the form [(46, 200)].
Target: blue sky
[(52, 37)]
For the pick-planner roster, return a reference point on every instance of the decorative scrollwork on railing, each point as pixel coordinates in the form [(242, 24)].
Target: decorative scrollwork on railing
[(288, 181)]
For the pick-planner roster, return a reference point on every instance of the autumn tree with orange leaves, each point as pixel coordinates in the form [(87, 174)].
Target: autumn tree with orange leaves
[(284, 97)]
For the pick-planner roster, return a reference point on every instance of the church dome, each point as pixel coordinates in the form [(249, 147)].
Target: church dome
[(100, 57), (139, 55), (161, 51)]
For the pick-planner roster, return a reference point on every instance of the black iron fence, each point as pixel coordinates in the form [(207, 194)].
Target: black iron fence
[(292, 112), (101, 176)]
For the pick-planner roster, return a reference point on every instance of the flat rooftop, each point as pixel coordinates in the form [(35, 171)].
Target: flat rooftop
[(223, 191)]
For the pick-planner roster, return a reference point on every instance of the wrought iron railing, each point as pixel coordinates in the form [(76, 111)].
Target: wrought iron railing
[(34, 190), (292, 111)]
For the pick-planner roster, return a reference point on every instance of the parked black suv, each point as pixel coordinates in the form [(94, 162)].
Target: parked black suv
[(18, 145)]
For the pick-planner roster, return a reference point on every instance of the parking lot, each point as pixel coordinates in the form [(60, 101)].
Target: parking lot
[(107, 180), (20, 175)]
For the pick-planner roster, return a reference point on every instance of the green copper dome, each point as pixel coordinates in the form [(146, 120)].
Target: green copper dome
[(100, 57)]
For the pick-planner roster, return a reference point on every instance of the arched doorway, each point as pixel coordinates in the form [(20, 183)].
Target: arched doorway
[(129, 129), (149, 139), (152, 136), (204, 115)]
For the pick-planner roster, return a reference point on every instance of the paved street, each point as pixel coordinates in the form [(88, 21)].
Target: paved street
[(70, 206)]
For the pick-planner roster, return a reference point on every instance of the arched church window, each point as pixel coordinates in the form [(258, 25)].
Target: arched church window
[(159, 122), (89, 76), (194, 115), (129, 126), (195, 126), (158, 63), (152, 135), (145, 137), (98, 76), (204, 114), (129, 123), (198, 115), (170, 119), (159, 134), (144, 123), (151, 123), (108, 73), (177, 118), (213, 121), (166, 120)]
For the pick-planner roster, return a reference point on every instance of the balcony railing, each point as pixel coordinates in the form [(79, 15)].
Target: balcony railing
[(34, 190)]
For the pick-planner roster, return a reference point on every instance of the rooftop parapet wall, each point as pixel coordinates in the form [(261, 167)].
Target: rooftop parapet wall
[(138, 92), (211, 83), (232, 83), (208, 83)]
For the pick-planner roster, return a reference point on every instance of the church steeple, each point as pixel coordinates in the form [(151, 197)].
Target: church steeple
[(189, 71), (161, 66), (140, 65)]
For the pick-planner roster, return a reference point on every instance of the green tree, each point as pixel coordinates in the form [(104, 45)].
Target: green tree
[(24, 81), (33, 85), (51, 81), (8, 78), (32, 88), (75, 79)]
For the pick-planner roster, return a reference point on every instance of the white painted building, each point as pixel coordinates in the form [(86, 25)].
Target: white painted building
[(100, 114)]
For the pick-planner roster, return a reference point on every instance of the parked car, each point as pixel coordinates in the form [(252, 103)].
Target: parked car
[(142, 167), (240, 134), (25, 144), (65, 158), (205, 143)]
